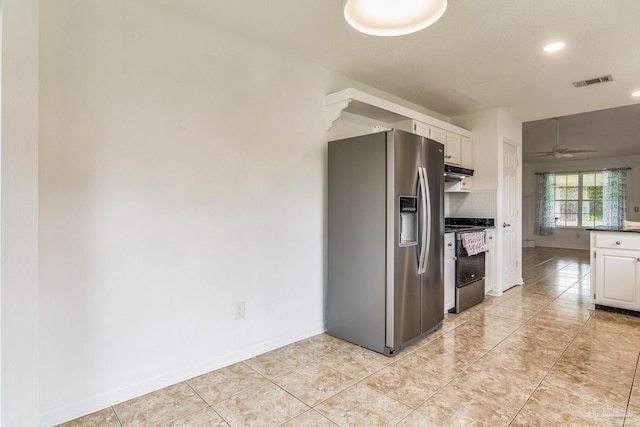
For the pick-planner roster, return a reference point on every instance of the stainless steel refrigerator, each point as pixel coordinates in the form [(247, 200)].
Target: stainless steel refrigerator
[(385, 239)]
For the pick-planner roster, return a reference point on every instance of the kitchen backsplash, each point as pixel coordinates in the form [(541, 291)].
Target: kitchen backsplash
[(476, 204)]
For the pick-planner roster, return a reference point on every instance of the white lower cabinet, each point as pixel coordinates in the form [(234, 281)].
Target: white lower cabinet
[(615, 269), (449, 271), (489, 260), (617, 274)]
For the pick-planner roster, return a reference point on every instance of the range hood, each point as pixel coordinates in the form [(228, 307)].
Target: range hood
[(456, 173)]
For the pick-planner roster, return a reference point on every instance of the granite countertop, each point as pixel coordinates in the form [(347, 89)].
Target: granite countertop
[(612, 229)]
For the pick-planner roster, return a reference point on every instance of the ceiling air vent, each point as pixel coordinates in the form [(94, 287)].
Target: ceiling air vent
[(590, 82)]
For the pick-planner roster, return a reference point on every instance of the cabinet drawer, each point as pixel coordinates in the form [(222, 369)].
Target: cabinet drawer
[(618, 241)]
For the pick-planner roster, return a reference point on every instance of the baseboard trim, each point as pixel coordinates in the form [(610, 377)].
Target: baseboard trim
[(55, 416), (563, 247)]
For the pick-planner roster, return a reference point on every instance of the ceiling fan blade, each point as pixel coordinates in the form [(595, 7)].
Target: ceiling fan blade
[(579, 151), (538, 152), (544, 155)]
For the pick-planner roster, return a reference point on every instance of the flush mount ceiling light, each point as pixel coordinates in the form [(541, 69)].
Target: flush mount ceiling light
[(636, 93), (554, 47), (392, 17)]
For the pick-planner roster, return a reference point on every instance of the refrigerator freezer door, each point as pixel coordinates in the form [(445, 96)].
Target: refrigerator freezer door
[(356, 273)]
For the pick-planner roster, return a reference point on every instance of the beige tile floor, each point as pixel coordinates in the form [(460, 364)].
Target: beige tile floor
[(534, 356)]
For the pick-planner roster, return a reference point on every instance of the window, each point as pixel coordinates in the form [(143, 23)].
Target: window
[(578, 199), (581, 199)]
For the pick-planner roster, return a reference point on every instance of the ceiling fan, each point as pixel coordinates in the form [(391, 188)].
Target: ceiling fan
[(557, 151)]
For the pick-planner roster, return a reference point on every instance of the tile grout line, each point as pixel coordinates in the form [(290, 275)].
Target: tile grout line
[(554, 364), (117, 417), (522, 325), (635, 372)]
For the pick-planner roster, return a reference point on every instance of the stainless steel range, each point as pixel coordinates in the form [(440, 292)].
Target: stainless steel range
[(470, 260)]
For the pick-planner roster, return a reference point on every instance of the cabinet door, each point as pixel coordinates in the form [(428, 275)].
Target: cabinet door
[(489, 261), (617, 278), (421, 129), (466, 155), (453, 149), (449, 271), (438, 134)]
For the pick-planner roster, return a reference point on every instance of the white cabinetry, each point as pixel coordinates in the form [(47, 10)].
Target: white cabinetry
[(457, 148), (457, 145), (421, 129), (615, 269), (449, 271), (439, 135), (453, 149), (490, 260)]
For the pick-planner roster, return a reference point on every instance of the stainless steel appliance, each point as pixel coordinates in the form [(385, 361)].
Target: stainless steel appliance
[(456, 173), (385, 239), (470, 269)]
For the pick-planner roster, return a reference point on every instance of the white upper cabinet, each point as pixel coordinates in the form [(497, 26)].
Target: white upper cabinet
[(456, 146), (453, 149), (439, 135), (457, 141), (421, 129)]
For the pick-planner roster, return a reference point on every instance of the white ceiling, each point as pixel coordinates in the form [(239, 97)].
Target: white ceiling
[(481, 54)]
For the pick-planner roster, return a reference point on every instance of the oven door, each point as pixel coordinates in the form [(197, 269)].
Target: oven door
[(468, 268)]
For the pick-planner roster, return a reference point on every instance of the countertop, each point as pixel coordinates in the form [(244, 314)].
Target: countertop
[(613, 229)]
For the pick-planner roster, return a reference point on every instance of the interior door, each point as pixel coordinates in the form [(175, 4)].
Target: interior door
[(511, 219)]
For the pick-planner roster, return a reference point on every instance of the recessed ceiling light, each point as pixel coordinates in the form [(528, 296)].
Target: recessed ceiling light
[(392, 17), (636, 93), (553, 47)]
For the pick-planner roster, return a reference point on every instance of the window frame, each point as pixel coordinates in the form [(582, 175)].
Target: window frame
[(580, 197)]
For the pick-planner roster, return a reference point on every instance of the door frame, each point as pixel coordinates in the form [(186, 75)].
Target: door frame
[(500, 285)]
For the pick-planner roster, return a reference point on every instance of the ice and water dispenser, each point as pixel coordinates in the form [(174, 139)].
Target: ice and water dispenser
[(408, 221)]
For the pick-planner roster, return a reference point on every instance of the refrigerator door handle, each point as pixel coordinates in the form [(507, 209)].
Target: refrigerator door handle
[(427, 223), (424, 229)]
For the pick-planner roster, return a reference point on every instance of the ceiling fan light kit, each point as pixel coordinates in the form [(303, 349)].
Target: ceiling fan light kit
[(392, 17)]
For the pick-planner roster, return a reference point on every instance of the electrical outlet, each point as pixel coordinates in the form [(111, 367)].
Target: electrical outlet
[(240, 310), (577, 235), (636, 208)]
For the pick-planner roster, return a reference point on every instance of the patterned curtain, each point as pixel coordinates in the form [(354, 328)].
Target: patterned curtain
[(614, 196), (545, 218)]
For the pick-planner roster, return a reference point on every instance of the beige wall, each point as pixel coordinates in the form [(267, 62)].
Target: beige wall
[(19, 384), (182, 170)]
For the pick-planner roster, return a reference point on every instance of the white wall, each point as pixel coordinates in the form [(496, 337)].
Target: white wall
[(491, 128), (19, 213), (484, 125), (572, 238), (182, 169)]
